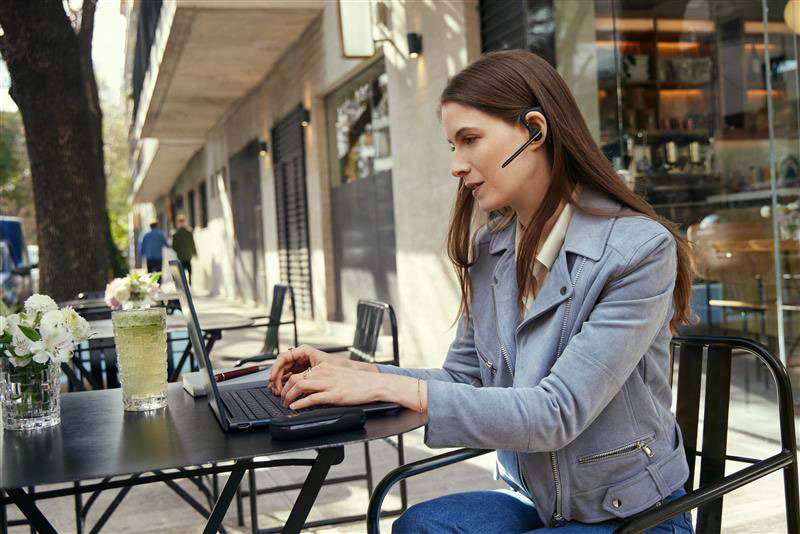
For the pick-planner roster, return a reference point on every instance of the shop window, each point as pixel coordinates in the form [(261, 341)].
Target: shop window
[(202, 188), (358, 127), (190, 202)]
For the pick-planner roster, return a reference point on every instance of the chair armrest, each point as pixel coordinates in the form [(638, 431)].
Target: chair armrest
[(254, 359), (338, 348), (410, 470), (708, 493), (245, 327)]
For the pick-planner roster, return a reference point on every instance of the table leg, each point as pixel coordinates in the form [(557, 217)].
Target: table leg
[(225, 498), (28, 507), (308, 494)]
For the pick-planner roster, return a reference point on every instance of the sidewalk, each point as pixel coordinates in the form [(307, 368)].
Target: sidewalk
[(756, 508)]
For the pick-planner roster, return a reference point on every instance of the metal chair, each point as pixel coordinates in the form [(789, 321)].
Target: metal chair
[(370, 316), (708, 496), (270, 349)]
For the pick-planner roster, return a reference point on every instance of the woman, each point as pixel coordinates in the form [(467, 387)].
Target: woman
[(570, 295)]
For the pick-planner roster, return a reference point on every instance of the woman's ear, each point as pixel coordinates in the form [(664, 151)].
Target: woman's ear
[(534, 120)]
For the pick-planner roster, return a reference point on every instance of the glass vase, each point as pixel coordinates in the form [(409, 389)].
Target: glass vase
[(30, 395)]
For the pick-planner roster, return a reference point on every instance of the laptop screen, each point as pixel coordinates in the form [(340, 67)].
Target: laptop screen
[(196, 338)]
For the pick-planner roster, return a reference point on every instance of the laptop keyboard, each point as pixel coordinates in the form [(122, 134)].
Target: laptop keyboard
[(260, 402)]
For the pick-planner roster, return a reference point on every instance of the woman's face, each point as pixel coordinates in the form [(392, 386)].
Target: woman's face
[(481, 143)]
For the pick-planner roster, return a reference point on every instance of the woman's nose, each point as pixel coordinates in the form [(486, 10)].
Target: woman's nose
[(459, 168)]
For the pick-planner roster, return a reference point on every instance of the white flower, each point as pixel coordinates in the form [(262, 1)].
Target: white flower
[(37, 303), (78, 326), (51, 321), (3, 325), (56, 345), (765, 211), (122, 293), (19, 341)]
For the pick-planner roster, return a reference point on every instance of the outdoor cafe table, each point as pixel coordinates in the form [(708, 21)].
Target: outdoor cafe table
[(100, 303), (97, 439), (212, 325)]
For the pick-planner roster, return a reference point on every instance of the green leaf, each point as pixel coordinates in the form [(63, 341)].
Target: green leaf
[(29, 332), (154, 277)]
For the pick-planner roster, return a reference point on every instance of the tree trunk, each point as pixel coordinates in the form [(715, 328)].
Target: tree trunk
[(48, 66)]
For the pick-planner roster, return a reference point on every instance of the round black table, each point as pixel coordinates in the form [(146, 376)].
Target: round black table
[(97, 439)]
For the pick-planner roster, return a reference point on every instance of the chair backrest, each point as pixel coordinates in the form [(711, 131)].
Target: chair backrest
[(719, 353), (102, 372), (91, 295), (369, 323), (275, 313)]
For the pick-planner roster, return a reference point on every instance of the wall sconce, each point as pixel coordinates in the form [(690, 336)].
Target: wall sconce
[(414, 45), (305, 117), (791, 15), (263, 148)]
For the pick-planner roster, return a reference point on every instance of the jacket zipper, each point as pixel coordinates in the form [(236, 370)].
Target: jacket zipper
[(557, 517), (503, 350), (489, 365), (641, 445)]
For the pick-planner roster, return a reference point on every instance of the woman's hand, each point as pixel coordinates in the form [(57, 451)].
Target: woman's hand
[(297, 360), (328, 383)]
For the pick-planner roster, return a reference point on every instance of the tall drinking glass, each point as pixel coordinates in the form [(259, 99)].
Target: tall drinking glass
[(141, 340)]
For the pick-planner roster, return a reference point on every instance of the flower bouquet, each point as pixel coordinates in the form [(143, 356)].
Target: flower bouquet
[(33, 345), (134, 291)]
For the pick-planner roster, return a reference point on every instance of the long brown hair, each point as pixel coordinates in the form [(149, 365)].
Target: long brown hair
[(504, 84)]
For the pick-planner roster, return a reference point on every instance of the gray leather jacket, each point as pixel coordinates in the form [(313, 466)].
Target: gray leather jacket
[(575, 394)]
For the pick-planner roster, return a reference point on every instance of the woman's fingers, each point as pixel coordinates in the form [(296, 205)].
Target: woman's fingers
[(321, 397)]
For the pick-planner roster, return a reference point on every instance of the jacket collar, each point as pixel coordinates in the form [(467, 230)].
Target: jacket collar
[(586, 235)]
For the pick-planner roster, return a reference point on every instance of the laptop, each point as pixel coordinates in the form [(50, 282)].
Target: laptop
[(238, 406)]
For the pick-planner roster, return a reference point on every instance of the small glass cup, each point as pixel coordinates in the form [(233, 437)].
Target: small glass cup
[(141, 340)]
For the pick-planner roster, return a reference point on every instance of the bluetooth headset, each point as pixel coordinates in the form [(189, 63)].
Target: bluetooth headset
[(535, 133)]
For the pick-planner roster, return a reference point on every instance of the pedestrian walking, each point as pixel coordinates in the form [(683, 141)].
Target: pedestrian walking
[(151, 245), (183, 245)]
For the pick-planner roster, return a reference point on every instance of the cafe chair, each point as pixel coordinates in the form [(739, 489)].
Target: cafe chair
[(370, 318), (271, 348), (713, 483)]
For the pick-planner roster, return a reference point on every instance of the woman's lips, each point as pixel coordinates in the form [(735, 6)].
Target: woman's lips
[(476, 189)]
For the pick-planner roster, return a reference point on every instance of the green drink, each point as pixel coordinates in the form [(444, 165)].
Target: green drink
[(141, 340)]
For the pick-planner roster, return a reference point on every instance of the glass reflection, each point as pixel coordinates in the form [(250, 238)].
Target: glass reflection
[(359, 113), (699, 112)]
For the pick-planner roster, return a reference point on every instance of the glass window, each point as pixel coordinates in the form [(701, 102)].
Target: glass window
[(202, 188), (190, 201), (683, 95), (358, 127)]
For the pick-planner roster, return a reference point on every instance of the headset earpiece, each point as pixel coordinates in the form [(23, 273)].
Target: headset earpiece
[(534, 132)]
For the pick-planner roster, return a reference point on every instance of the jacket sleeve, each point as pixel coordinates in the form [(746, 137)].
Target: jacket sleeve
[(591, 370), (460, 366)]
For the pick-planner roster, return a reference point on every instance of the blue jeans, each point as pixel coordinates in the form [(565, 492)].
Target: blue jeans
[(505, 511)]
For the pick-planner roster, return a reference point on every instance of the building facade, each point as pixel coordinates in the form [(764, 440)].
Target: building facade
[(295, 163)]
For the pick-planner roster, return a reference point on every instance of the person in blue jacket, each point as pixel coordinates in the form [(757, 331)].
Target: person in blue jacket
[(151, 246), (570, 295)]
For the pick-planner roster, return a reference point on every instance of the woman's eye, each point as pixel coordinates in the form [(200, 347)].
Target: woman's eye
[(469, 140)]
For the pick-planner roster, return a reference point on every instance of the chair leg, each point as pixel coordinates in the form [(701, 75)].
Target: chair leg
[(251, 484), (31, 491), (3, 517), (792, 497), (401, 460), (239, 507), (368, 464), (79, 519)]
